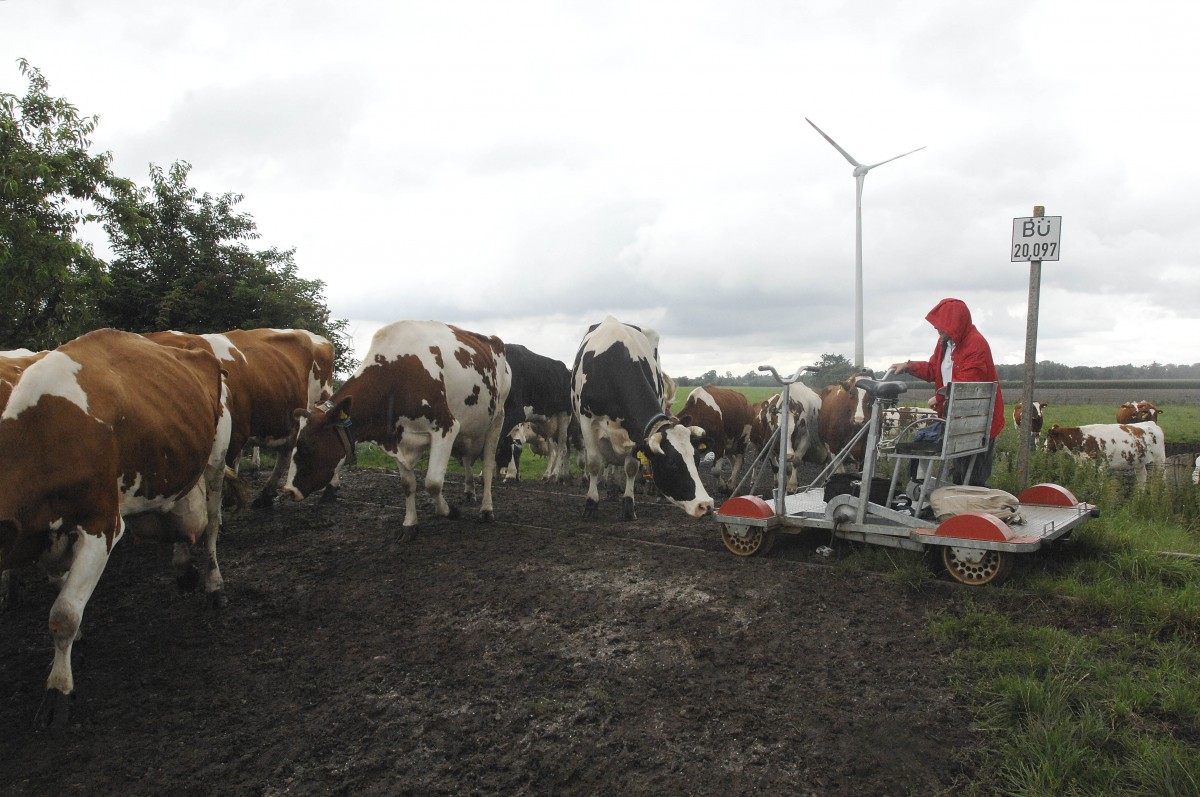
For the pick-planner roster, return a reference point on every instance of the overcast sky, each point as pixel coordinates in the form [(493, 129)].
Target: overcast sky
[(526, 168)]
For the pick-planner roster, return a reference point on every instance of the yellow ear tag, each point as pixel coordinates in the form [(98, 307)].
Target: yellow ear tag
[(642, 458)]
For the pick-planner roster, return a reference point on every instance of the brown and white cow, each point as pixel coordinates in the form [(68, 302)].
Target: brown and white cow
[(1133, 447), (724, 415), (1035, 420), (845, 409), (1137, 412), (106, 434), (896, 420), (617, 393), (270, 372), (422, 385)]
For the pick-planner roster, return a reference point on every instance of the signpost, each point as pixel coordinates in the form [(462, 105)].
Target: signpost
[(1034, 239)]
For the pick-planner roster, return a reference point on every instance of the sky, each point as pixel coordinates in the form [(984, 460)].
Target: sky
[(524, 169)]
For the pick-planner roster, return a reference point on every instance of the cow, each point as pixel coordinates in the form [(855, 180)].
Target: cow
[(1137, 412), (724, 415), (422, 385), (844, 409), (804, 436), (106, 434), (541, 396), (1121, 447), (896, 420), (1035, 420), (617, 395), (270, 372)]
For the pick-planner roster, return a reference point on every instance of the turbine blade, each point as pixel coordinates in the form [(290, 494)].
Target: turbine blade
[(889, 160), (845, 154)]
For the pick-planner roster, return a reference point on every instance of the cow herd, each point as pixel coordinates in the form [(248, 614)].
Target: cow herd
[(1134, 444), (117, 433)]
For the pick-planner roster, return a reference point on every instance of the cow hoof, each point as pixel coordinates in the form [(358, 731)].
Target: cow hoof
[(264, 501), (54, 711), (487, 516), (217, 600), (406, 534), (188, 580), (627, 510), (330, 495), (590, 509)]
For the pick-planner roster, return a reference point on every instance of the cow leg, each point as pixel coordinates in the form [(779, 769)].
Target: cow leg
[(214, 583), (468, 468), (66, 616), (10, 595), (283, 461), (408, 485), (633, 472), (330, 493), (490, 441), (439, 457), (735, 467)]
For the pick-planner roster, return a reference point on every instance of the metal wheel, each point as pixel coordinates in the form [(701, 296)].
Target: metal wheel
[(975, 567), (747, 540)]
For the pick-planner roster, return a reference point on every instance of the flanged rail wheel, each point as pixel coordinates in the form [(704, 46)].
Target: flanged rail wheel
[(975, 567), (747, 540)]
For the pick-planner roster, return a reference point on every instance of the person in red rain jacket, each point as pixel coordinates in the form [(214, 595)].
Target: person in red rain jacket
[(961, 355)]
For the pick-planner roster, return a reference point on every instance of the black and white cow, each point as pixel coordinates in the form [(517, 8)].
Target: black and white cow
[(617, 393), (540, 396)]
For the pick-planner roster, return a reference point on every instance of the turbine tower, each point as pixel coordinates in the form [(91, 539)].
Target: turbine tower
[(860, 174)]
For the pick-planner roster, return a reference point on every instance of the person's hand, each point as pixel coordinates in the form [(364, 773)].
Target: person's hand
[(900, 368), (932, 402)]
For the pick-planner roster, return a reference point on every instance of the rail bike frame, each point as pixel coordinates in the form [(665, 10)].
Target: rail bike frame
[(975, 548)]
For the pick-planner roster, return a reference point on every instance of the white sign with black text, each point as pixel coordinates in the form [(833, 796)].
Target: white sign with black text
[(1036, 238)]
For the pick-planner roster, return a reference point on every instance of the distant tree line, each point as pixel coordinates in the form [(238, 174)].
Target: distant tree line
[(183, 260), (833, 368)]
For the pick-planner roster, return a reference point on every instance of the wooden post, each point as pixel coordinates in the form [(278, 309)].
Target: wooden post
[(1031, 325)]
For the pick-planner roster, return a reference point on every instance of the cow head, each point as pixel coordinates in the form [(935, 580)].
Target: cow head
[(673, 451), (863, 401), (1035, 419), (1146, 412), (1056, 438), (324, 441)]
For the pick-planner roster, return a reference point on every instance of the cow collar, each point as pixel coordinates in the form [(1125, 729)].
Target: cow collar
[(342, 426), (657, 419)]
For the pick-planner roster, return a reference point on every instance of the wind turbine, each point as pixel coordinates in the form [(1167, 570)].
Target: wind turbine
[(860, 174)]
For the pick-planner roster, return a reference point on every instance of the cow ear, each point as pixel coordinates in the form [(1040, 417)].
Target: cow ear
[(300, 412), (686, 420), (654, 443)]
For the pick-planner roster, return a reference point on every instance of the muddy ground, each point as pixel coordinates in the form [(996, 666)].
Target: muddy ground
[(540, 654)]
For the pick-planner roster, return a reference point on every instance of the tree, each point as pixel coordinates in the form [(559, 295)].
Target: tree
[(831, 368), (183, 263), (49, 186)]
